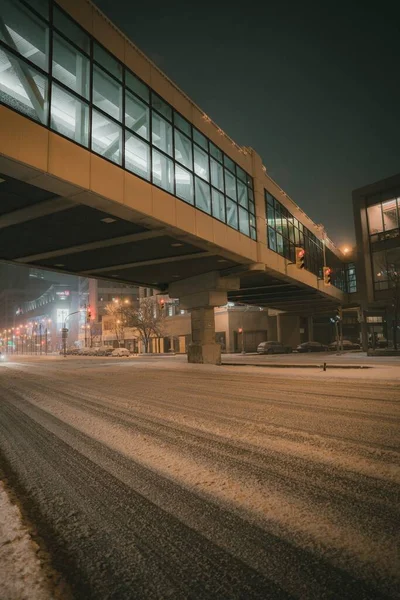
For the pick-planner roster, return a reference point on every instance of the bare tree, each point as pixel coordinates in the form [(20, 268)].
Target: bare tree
[(147, 318), (119, 314), (394, 284)]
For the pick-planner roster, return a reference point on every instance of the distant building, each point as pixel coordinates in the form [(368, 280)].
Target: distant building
[(377, 225)]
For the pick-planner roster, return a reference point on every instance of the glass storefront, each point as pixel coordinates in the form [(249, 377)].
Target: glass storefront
[(61, 77)]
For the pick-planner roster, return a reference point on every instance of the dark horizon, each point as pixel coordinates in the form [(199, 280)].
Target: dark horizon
[(313, 90)]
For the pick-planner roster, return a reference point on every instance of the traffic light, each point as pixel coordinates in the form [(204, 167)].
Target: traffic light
[(240, 330), (327, 275), (300, 256), (162, 304)]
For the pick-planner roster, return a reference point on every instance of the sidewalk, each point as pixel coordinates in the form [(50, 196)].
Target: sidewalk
[(21, 574)]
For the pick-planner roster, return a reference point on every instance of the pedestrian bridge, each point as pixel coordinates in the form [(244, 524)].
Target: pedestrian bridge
[(108, 170)]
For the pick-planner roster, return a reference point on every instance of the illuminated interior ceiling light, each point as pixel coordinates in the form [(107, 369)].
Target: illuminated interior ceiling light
[(222, 260), (176, 244), (175, 276), (59, 265), (108, 220)]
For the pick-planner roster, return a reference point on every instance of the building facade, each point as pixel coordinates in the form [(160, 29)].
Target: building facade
[(377, 226)]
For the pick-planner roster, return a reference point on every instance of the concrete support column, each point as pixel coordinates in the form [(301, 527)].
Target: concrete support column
[(310, 327), (204, 349), (201, 294), (272, 328), (289, 330)]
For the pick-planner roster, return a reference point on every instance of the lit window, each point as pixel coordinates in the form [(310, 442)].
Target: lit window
[(107, 61), (23, 88), (184, 184), (70, 30), (217, 174), (231, 214), (203, 198), (244, 221), (183, 149), (106, 137), (137, 156), (134, 84), (182, 124), (218, 205), (25, 33), (163, 171), (161, 134), (200, 139), (136, 115), (69, 116), (161, 106), (107, 93), (230, 185), (70, 66), (201, 163)]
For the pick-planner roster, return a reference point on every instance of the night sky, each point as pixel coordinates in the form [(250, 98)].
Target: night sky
[(313, 88)]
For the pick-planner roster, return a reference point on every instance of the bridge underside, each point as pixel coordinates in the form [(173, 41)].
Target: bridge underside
[(44, 230)]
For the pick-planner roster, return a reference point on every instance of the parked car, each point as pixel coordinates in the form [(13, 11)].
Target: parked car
[(311, 347), (120, 352), (347, 345), (273, 348)]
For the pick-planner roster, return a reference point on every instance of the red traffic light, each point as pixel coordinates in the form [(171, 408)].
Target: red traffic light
[(301, 253), (162, 301), (240, 330)]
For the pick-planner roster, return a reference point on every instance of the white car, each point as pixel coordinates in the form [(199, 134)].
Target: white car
[(120, 352)]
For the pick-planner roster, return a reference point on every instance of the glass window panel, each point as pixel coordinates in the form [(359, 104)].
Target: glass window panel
[(242, 193), (270, 198), (217, 174), (218, 205), (72, 31), (137, 115), (183, 150), (286, 248), (107, 93), (201, 163), (41, 7), (279, 244), (231, 213), (69, 116), (375, 218), (106, 137), (161, 106), (252, 208), (182, 124), (249, 180), (163, 171), (200, 139), (230, 185), (184, 184), (161, 134), (216, 152), (393, 262), (284, 227), (244, 221), (137, 86), (25, 33), (253, 233), (203, 196), (241, 174), (379, 266), (229, 163), (272, 239), (389, 212), (107, 61), (22, 87), (137, 155), (70, 66), (271, 215)]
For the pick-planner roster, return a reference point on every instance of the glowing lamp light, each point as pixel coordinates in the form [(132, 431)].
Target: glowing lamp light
[(301, 253)]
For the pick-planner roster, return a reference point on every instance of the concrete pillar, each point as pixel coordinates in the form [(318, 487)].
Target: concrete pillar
[(201, 294), (288, 330), (310, 327), (272, 328), (204, 348)]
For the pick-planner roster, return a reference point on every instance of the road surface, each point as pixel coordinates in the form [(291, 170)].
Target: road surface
[(157, 479)]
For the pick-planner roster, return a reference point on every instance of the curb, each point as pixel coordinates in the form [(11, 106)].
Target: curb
[(296, 366)]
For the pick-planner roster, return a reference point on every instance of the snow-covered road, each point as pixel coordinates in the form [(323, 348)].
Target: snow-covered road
[(157, 479)]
